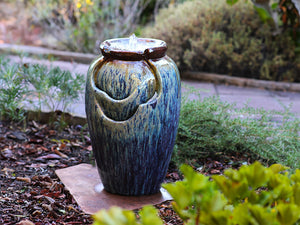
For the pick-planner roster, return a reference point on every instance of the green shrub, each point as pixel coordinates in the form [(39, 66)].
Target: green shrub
[(81, 25), (251, 195), (12, 91), (53, 88), (211, 36), (210, 127), (288, 9)]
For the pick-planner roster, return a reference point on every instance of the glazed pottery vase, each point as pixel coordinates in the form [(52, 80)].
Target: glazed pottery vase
[(132, 106)]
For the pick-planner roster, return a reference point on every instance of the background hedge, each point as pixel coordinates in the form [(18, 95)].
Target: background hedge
[(212, 36)]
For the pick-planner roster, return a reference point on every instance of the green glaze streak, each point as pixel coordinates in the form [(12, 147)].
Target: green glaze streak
[(122, 86)]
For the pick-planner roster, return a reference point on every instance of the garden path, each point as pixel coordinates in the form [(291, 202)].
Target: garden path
[(241, 96)]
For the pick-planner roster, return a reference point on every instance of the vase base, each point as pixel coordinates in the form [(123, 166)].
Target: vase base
[(85, 186), (100, 187)]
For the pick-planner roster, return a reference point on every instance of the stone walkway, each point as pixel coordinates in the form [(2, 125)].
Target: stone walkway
[(241, 96)]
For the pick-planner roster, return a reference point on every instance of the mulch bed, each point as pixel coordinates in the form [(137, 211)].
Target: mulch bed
[(30, 188), (31, 193)]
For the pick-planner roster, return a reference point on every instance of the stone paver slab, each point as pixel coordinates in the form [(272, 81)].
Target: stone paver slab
[(207, 88), (292, 105), (287, 95), (81, 69), (81, 181), (18, 59), (203, 89), (68, 66), (34, 50), (257, 102), (77, 109), (235, 90)]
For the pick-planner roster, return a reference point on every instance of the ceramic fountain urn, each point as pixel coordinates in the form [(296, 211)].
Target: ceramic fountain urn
[(132, 106)]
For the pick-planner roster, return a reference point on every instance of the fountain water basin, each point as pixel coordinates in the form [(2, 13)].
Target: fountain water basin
[(133, 48)]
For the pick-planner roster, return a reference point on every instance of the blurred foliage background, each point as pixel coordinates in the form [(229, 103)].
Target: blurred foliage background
[(257, 39), (229, 39)]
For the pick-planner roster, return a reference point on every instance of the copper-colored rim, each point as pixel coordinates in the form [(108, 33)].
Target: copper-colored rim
[(156, 49)]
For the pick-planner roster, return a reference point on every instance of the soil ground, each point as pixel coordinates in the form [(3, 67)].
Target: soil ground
[(30, 189)]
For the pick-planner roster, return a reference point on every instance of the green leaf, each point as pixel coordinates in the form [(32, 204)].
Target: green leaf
[(231, 2), (195, 181), (274, 5), (233, 190), (180, 193), (262, 198), (214, 202), (256, 174), (254, 214), (149, 216), (277, 180), (263, 14), (114, 216), (217, 218), (276, 168), (234, 175), (296, 176), (241, 215), (288, 214), (184, 214), (296, 192), (282, 192), (263, 216)]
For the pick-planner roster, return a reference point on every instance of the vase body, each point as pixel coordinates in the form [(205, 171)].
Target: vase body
[(132, 107)]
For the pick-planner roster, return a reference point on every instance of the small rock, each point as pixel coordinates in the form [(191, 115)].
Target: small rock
[(36, 212), (49, 156), (25, 222), (61, 154), (52, 132), (25, 179), (47, 207), (78, 127), (7, 153), (35, 141), (17, 136)]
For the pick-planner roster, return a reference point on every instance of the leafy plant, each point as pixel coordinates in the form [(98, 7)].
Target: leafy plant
[(63, 88), (36, 75), (54, 88), (209, 127), (81, 25), (253, 194), (118, 216), (12, 91)]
